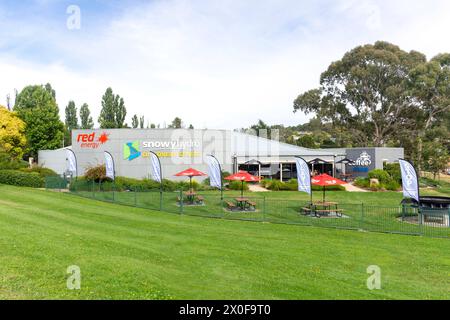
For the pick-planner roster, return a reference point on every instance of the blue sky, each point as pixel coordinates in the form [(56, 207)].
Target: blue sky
[(201, 60)]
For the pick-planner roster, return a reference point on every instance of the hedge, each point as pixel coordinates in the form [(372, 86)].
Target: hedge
[(130, 184), (21, 179), (292, 185)]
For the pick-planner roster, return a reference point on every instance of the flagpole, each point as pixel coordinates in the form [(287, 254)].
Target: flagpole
[(160, 172), (76, 162), (310, 179), (417, 179), (220, 169), (114, 165)]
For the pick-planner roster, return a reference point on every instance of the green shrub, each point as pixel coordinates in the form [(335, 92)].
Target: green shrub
[(381, 175), (96, 173), (21, 179), (394, 171), (265, 183), (237, 185), (362, 182), (392, 186), (329, 188), (292, 185), (43, 172), (276, 185), (8, 163)]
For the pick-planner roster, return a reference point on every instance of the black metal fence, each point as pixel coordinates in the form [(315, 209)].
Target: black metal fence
[(391, 219)]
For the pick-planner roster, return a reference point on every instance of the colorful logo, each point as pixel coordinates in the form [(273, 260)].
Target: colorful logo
[(91, 141), (131, 151)]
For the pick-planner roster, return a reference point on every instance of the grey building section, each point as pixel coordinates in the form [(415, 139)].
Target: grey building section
[(367, 159), (53, 159), (180, 149)]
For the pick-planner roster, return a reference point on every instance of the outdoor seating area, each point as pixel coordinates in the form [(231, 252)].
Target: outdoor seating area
[(320, 209), (241, 204), (192, 198)]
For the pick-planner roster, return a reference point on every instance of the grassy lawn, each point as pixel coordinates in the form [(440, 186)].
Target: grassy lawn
[(127, 253)]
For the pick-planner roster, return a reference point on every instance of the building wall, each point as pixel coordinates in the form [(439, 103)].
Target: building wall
[(177, 149), (53, 159), (180, 149)]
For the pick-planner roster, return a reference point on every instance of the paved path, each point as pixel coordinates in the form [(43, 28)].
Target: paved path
[(351, 188), (257, 188)]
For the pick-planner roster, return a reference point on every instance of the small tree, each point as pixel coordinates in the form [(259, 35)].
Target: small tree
[(12, 134), (436, 157), (85, 117), (176, 123), (71, 122), (113, 111), (37, 107), (135, 122)]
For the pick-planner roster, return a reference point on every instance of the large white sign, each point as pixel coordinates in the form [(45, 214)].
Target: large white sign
[(303, 176), (409, 180)]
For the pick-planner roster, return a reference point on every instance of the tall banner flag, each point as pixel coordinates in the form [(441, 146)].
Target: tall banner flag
[(214, 172), (410, 181), (71, 162), (303, 175), (156, 171), (109, 163)]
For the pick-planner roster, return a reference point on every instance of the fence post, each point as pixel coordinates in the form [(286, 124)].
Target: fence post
[(181, 201), (264, 209), (361, 225), (161, 200), (135, 196), (448, 221), (113, 189), (93, 189), (421, 219)]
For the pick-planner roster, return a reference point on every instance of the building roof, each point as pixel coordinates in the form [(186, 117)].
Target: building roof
[(246, 145)]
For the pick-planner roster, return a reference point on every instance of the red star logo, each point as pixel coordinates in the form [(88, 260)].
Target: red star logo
[(103, 138)]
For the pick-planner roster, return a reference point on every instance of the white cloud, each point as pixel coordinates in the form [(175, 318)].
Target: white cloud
[(217, 64)]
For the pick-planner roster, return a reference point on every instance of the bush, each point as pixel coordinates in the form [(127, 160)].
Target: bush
[(8, 163), (381, 175), (292, 185), (362, 182), (394, 171), (96, 173), (21, 179), (276, 185), (265, 183), (329, 188), (237, 185), (43, 172), (392, 186)]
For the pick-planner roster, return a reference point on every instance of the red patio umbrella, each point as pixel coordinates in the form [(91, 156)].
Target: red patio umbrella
[(190, 173), (243, 176), (325, 180)]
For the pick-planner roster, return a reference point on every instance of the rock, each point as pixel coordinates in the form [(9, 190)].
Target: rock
[(374, 183)]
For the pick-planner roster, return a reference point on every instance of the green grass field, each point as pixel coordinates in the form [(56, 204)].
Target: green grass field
[(129, 253)]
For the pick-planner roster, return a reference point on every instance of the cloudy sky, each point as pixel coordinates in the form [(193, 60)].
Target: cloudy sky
[(215, 64)]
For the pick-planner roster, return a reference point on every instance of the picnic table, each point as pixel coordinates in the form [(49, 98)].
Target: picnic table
[(242, 204), (192, 197), (323, 208)]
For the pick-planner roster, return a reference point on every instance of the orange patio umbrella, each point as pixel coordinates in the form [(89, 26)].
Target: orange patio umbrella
[(190, 173), (243, 176), (325, 180)]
